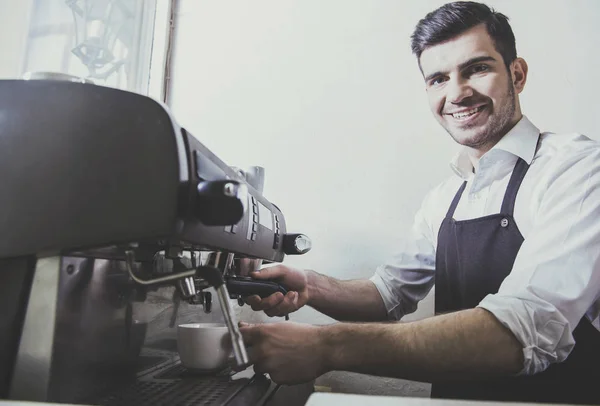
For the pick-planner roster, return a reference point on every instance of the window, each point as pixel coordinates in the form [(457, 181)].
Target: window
[(111, 42)]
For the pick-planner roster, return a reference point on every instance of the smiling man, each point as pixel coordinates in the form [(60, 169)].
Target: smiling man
[(511, 241)]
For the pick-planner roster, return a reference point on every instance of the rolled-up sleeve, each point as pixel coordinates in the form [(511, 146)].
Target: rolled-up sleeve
[(555, 278), (409, 275)]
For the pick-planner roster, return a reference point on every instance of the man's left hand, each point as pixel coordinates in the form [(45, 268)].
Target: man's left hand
[(289, 352)]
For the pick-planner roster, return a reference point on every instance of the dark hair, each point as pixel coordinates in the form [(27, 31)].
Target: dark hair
[(453, 19)]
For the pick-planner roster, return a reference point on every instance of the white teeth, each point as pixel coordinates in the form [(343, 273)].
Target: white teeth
[(467, 113)]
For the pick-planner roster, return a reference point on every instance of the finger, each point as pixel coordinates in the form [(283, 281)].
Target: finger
[(272, 272), (288, 305), (253, 301), (251, 334), (270, 301)]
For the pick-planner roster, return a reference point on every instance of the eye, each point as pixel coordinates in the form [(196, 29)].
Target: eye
[(478, 68), (436, 81)]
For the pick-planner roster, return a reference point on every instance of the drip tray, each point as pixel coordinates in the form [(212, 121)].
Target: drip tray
[(174, 385), (178, 371), (184, 392)]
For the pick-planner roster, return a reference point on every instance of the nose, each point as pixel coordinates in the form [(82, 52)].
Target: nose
[(458, 90)]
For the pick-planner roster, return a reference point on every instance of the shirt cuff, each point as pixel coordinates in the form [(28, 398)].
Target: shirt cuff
[(542, 331), (393, 308)]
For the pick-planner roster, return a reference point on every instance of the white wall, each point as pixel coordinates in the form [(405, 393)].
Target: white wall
[(328, 98)]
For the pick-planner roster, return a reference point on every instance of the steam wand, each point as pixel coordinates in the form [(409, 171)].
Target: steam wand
[(215, 279)]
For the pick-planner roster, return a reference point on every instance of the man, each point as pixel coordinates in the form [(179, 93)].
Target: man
[(511, 241)]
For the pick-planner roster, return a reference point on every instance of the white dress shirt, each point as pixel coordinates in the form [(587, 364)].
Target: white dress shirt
[(555, 279)]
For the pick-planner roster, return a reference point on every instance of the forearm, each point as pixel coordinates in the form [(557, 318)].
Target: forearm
[(462, 345), (355, 300)]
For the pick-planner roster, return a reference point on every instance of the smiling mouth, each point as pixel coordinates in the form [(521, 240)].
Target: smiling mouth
[(467, 114)]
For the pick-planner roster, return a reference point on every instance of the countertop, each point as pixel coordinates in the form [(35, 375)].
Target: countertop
[(332, 399)]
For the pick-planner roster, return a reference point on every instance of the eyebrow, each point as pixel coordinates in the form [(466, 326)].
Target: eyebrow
[(463, 65)]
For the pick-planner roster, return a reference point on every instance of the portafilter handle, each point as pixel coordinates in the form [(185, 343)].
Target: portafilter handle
[(214, 277)]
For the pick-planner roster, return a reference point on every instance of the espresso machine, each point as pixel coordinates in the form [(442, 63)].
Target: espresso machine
[(117, 225)]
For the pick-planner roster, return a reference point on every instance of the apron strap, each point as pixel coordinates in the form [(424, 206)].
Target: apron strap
[(508, 204), (456, 200)]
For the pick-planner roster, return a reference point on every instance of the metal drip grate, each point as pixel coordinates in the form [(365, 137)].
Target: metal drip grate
[(202, 391), (178, 371), (174, 385)]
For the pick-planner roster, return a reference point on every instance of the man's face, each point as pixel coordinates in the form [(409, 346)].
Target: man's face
[(470, 91)]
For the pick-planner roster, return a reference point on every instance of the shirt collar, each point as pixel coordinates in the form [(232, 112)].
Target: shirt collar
[(520, 141)]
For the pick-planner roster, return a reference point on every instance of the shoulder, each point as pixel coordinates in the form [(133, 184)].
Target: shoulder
[(567, 147), (568, 160)]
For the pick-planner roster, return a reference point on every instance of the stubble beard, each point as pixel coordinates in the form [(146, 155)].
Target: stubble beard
[(499, 124)]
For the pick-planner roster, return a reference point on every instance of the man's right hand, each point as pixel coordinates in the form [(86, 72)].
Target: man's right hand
[(277, 304)]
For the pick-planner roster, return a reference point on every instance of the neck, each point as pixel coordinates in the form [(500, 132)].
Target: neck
[(475, 154)]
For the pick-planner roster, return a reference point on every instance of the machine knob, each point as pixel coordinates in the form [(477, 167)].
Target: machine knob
[(221, 202), (296, 244)]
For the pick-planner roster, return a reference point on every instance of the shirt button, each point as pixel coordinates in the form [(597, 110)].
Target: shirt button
[(504, 222)]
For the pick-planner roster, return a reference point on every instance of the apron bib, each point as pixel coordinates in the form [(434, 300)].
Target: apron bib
[(472, 259)]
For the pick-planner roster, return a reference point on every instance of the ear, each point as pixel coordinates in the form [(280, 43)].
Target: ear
[(518, 69)]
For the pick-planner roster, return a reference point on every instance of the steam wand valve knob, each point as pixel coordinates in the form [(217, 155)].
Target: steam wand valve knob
[(214, 277), (296, 244)]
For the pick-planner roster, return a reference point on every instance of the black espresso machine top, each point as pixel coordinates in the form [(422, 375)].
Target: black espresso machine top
[(86, 167)]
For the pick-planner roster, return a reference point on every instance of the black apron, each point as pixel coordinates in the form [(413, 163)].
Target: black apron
[(472, 259)]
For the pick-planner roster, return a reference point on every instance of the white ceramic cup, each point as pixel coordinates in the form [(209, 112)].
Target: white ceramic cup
[(204, 346)]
